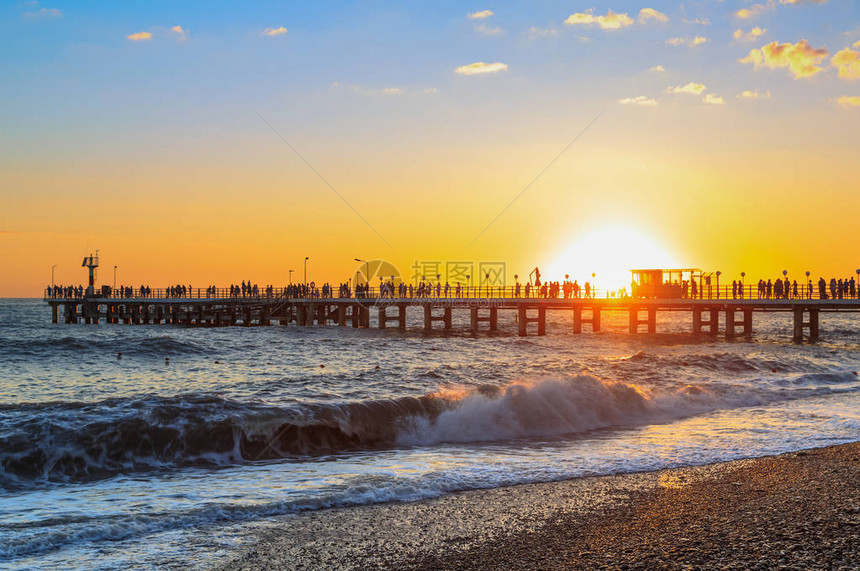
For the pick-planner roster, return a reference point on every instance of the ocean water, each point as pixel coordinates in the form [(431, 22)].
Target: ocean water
[(178, 452)]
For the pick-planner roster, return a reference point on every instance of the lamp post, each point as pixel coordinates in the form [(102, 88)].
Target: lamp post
[(114, 278), (743, 275), (857, 283), (366, 270), (52, 278), (593, 284), (291, 276), (306, 270), (718, 283), (808, 286)]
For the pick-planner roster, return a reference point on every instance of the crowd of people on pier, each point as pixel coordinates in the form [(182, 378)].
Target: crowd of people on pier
[(780, 288), (783, 288)]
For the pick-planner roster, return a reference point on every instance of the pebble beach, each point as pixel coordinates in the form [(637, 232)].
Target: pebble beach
[(799, 510)]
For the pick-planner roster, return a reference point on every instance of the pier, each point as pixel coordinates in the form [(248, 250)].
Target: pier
[(717, 314)]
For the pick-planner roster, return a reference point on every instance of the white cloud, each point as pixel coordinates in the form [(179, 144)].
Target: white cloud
[(712, 99), (750, 36), (489, 31), (179, 30), (698, 22), (691, 88), (756, 10), (800, 58), (611, 21), (658, 69), (646, 14), (849, 100), (752, 94), (139, 36), (392, 90), (640, 100), (847, 62), (280, 31), (482, 15), (480, 68), (687, 41)]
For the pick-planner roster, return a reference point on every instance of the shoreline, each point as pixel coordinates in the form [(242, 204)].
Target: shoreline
[(795, 510)]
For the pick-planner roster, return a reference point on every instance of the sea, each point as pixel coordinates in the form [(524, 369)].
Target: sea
[(161, 446)]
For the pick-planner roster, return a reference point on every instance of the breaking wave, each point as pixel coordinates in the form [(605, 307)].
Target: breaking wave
[(59, 442)]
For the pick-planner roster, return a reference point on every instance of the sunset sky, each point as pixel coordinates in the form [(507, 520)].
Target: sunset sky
[(725, 134)]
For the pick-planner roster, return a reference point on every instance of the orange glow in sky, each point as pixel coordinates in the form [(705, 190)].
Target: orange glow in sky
[(718, 139)]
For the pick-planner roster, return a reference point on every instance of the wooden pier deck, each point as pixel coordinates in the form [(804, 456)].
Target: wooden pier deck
[(708, 316)]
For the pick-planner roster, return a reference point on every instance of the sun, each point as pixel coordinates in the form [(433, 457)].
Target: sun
[(609, 253)]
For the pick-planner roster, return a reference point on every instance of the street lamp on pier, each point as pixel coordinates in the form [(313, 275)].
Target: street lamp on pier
[(366, 271), (291, 276), (52, 278), (114, 278), (718, 283), (306, 270)]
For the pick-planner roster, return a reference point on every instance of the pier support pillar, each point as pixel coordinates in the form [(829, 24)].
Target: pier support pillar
[(579, 320), (401, 316), (524, 319), (492, 320), (711, 326), (650, 321), (542, 321), (800, 324), (730, 323), (429, 318), (55, 313)]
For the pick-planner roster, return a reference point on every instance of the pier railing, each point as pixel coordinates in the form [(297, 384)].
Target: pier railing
[(725, 292)]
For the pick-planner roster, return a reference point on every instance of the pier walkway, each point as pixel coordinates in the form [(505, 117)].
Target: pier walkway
[(712, 313)]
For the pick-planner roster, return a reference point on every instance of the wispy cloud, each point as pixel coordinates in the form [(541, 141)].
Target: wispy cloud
[(650, 14), (800, 58), (697, 21), (687, 41), (849, 100), (750, 36), (489, 30), (43, 13), (179, 30), (658, 69), (756, 10), (480, 68), (611, 21), (640, 100), (802, 1), (279, 31), (482, 15), (392, 90), (752, 94), (847, 62), (712, 99), (139, 36), (691, 88), (542, 32)]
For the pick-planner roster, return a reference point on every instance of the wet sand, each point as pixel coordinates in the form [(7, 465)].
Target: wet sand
[(794, 511)]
